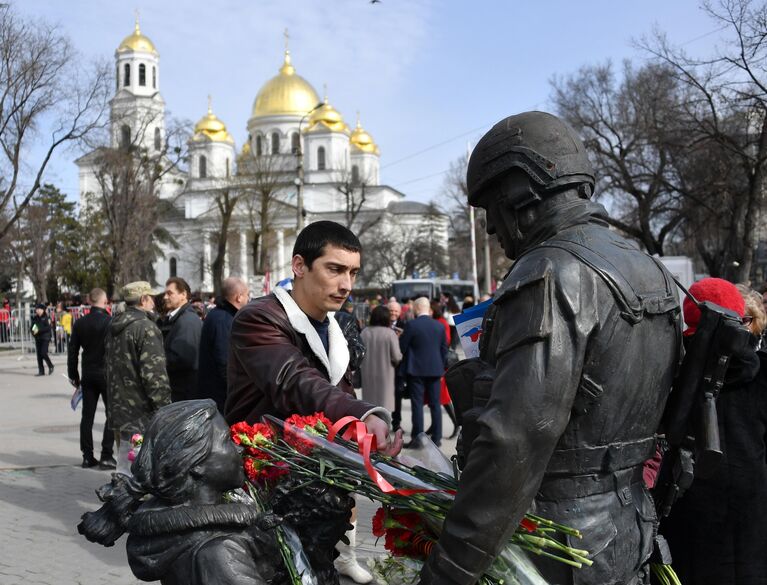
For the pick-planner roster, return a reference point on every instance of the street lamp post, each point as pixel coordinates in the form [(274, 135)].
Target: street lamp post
[(300, 178)]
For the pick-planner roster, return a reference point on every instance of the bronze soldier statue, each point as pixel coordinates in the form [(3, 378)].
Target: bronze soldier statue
[(578, 354)]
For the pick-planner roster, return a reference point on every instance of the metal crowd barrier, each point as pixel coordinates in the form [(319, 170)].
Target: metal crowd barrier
[(15, 330)]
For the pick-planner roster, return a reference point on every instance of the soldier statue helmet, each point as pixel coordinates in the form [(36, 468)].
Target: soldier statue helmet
[(577, 355), (523, 160)]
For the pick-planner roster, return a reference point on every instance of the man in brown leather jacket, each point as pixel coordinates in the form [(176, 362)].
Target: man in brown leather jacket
[(287, 356)]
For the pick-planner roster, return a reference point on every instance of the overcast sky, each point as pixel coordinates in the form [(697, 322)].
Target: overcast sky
[(427, 76)]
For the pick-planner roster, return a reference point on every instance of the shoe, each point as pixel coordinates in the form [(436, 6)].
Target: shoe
[(346, 563), (411, 445), (89, 460), (50, 370), (38, 374), (107, 463), (456, 430)]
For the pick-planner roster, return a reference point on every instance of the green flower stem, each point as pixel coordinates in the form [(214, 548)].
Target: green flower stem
[(541, 552), (285, 552), (559, 527)]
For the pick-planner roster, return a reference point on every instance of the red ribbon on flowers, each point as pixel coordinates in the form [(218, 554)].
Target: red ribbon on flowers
[(366, 443)]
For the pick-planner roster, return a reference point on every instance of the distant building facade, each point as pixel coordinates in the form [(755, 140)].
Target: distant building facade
[(294, 141)]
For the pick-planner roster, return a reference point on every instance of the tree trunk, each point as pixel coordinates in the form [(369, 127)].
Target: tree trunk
[(256, 258), (264, 254)]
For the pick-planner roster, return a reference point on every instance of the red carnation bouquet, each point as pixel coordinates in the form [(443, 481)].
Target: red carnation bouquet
[(415, 499)]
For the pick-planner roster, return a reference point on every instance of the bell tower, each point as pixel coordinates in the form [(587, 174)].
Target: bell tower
[(137, 108)]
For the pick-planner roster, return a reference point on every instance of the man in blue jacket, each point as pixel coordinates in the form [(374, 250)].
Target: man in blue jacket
[(424, 350), (214, 341)]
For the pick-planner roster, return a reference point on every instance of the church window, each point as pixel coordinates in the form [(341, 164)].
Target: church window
[(157, 139), (142, 75), (355, 174), (154, 77), (203, 166), (126, 74), (321, 158), (259, 146), (275, 143), (173, 267), (295, 145), (125, 136), (117, 77), (227, 166)]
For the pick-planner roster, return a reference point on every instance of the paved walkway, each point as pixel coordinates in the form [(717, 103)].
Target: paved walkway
[(43, 490)]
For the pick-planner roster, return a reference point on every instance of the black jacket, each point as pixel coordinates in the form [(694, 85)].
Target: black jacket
[(43, 327), (181, 334), (716, 531), (214, 351), (89, 334)]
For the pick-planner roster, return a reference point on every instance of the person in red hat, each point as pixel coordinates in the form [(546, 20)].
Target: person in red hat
[(716, 531), (715, 290)]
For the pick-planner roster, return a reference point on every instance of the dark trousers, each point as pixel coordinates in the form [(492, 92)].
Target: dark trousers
[(41, 348), (92, 389), (183, 385), (425, 386), (399, 394)]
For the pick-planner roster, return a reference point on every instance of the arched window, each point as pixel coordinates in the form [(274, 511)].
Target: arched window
[(321, 158), (157, 139), (173, 267), (154, 77), (259, 146), (203, 167), (125, 136), (295, 145), (117, 77), (275, 143), (227, 166), (126, 74), (142, 75), (355, 174)]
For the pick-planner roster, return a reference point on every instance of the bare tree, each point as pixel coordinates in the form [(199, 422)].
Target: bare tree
[(633, 133), (727, 110), (264, 181), (41, 78), (356, 191), (126, 210), (225, 202), (397, 249), (457, 202)]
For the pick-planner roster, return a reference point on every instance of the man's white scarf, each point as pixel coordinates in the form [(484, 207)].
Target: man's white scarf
[(336, 360)]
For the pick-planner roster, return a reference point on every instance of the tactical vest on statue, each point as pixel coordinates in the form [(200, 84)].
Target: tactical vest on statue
[(594, 474)]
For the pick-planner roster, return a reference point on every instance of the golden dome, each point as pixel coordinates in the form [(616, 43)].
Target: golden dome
[(286, 93), (245, 152), (328, 117), (137, 42), (212, 128), (363, 141)]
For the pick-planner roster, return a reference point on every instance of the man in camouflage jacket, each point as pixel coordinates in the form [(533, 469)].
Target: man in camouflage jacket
[(137, 380)]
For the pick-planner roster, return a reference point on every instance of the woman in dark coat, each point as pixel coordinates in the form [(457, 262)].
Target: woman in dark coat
[(42, 332), (718, 530)]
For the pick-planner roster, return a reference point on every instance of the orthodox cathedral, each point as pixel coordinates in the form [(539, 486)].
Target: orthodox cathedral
[(319, 168)]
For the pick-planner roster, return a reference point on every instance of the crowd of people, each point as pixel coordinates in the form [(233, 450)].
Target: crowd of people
[(579, 354), (299, 350), (305, 350)]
